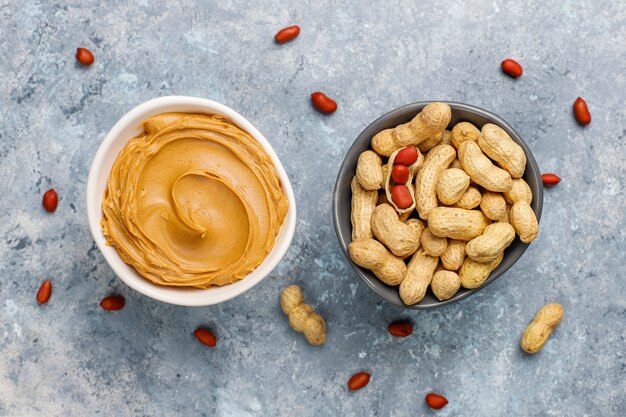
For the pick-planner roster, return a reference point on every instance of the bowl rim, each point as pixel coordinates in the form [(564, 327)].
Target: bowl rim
[(178, 295), (417, 106)]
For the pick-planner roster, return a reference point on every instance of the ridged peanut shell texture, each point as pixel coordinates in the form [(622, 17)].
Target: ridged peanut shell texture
[(383, 143), (451, 185), (445, 284), (428, 124), (519, 192), (498, 145), (481, 170), (363, 204), (369, 170), (473, 274), (493, 205), (418, 276), (462, 132), (437, 160), (433, 245), (492, 243), (539, 330), (457, 223), (525, 222), (401, 238), (372, 255), (453, 257), (302, 317), (470, 199)]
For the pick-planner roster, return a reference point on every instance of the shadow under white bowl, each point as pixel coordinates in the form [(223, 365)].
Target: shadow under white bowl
[(127, 128)]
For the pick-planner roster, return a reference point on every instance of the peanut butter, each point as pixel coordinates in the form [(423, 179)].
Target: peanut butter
[(193, 201)]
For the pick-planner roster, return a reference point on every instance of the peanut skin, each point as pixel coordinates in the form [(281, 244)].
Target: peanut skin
[(539, 330), (473, 273), (401, 238), (302, 318), (452, 185), (481, 170), (418, 276), (499, 146), (363, 204), (494, 240), (372, 255), (426, 181), (369, 170), (388, 183), (445, 284), (457, 223)]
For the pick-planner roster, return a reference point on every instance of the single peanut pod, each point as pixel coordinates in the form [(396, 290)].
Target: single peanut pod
[(462, 132), (539, 330), (481, 170), (493, 205), (470, 199), (451, 186), (473, 274), (494, 240), (457, 223), (372, 255), (363, 204), (524, 220), (447, 137), (430, 143), (519, 192), (398, 237), (432, 120), (435, 163), (302, 318), (499, 146), (445, 284), (383, 143), (433, 245), (369, 171), (419, 273), (453, 257)]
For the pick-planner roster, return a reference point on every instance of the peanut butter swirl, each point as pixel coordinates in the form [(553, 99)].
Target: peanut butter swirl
[(193, 201)]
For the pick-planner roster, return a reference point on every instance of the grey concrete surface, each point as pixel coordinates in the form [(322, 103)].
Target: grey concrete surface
[(69, 357)]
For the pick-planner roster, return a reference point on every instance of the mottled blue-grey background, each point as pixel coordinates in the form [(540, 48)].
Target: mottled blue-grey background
[(70, 357)]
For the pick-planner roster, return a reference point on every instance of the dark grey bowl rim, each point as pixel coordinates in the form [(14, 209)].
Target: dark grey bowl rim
[(348, 168)]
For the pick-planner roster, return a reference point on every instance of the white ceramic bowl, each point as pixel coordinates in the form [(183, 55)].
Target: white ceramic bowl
[(127, 128)]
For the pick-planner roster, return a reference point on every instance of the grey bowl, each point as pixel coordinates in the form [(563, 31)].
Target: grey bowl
[(342, 196)]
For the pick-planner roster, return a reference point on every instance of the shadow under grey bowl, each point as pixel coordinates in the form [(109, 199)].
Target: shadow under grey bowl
[(342, 195)]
